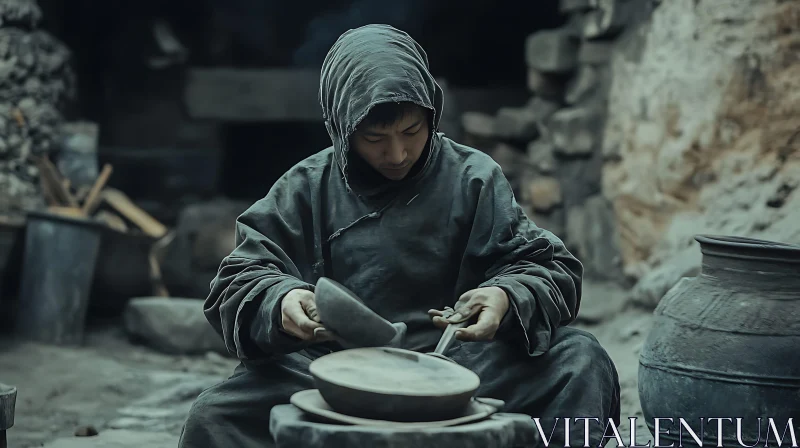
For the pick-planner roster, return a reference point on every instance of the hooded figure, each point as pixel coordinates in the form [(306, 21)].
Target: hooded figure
[(412, 222)]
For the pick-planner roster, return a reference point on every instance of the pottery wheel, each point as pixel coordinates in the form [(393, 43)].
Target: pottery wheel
[(291, 427)]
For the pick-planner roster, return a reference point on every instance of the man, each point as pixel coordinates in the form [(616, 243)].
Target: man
[(412, 222)]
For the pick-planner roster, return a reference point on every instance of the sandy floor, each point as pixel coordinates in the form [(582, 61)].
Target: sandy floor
[(111, 384), (63, 389), (623, 337)]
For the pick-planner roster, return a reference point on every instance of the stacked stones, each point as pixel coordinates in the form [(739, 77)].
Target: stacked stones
[(558, 173), (35, 83)]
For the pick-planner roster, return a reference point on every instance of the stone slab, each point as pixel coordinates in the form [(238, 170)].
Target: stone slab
[(590, 173), (607, 20), (583, 85), (118, 439), (575, 131), (593, 234), (291, 427), (596, 52), (478, 123), (602, 301), (551, 51), (572, 6), (171, 325), (258, 95), (543, 193), (545, 85), (516, 123), (540, 155)]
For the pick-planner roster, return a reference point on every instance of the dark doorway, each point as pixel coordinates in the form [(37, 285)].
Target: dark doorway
[(470, 43), (256, 155)]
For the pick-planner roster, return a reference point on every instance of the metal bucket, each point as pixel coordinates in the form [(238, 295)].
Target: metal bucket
[(57, 273)]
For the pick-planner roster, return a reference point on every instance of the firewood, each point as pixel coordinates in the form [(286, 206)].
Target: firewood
[(93, 199), (125, 207), (112, 220), (70, 212), (53, 184)]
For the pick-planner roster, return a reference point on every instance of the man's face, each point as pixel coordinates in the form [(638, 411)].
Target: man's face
[(394, 149)]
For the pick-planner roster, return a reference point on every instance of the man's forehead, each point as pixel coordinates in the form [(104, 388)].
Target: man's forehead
[(409, 116)]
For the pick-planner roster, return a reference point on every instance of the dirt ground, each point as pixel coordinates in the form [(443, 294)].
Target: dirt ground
[(110, 384)]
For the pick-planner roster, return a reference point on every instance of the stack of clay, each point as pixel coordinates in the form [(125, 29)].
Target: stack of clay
[(551, 148), (35, 82)]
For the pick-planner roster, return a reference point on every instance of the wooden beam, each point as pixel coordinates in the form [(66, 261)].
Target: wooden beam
[(266, 95)]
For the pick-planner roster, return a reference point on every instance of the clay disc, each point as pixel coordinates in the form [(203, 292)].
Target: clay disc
[(311, 401), (394, 371)]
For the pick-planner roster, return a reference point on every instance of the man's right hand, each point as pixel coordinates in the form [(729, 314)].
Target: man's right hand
[(299, 316)]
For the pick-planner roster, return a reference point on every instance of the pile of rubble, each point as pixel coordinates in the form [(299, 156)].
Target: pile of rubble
[(35, 83), (551, 149)]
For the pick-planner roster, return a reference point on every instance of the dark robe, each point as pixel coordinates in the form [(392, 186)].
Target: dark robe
[(404, 247)]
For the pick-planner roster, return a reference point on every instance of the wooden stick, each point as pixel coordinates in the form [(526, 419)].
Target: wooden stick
[(93, 199), (112, 220), (159, 288), (156, 257), (125, 207), (47, 191), (19, 117), (70, 212), (52, 178)]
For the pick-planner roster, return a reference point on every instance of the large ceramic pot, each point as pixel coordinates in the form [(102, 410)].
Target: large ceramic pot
[(726, 344)]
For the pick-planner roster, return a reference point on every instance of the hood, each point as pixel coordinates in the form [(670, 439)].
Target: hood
[(370, 65)]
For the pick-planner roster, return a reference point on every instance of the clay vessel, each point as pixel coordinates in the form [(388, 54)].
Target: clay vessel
[(726, 344), (393, 384)]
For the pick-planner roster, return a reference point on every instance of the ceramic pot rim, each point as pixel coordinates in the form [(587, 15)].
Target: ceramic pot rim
[(730, 246)]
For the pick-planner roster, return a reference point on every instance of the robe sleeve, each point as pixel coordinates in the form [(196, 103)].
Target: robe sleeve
[(532, 265), (272, 250)]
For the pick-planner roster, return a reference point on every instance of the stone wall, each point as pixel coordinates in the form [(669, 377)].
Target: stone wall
[(651, 122), (703, 133), (35, 83), (551, 149)]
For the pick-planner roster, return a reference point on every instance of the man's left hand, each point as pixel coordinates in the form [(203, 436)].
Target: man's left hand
[(489, 304)]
